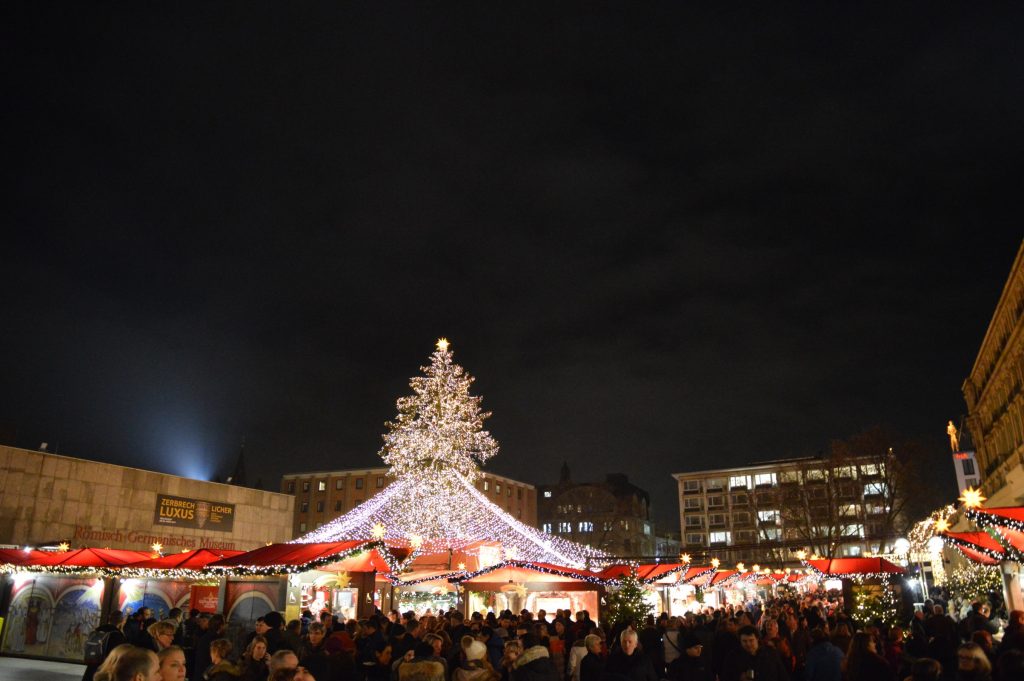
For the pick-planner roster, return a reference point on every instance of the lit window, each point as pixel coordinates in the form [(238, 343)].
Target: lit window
[(876, 488), (869, 469), (815, 474), (565, 527), (720, 537), (546, 527), (764, 479), (380, 481), (771, 516), (508, 492), (586, 526), (739, 481), (715, 483), (848, 510), (339, 483), (771, 533), (789, 476), (487, 485), (497, 488), (625, 524), (607, 526), (647, 529), (305, 486), (321, 486), (691, 485)]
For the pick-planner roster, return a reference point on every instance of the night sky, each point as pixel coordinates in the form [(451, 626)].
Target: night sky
[(662, 239)]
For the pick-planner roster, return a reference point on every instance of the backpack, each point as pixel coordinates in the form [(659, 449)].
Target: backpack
[(96, 647)]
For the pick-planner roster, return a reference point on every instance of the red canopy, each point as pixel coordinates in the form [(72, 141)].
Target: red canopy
[(854, 566), (980, 547), (526, 571), (652, 572), (999, 515), (20, 557), (94, 558), (301, 557), (196, 559)]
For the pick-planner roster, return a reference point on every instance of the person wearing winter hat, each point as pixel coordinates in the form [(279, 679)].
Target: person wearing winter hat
[(476, 666), (692, 664)]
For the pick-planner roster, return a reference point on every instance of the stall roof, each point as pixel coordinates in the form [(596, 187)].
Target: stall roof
[(979, 547), (22, 557), (854, 566), (293, 557), (524, 571), (196, 559), (94, 558)]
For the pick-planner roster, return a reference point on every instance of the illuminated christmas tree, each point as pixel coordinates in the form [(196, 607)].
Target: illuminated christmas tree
[(434, 448), (870, 608), (439, 429), (627, 604)]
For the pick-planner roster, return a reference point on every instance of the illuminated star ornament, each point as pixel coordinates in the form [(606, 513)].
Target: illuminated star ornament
[(684, 558), (64, 547), (972, 498), (157, 547), (942, 525), (434, 448), (715, 563)]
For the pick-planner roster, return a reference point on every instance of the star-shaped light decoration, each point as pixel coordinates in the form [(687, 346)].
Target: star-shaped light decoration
[(972, 498), (377, 531), (343, 580), (801, 555), (462, 567), (715, 563), (415, 541), (942, 525), (684, 558), (442, 344), (511, 553), (740, 567), (63, 547), (756, 568), (157, 547)]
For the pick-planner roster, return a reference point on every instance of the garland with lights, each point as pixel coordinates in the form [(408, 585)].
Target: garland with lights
[(960, 544), (589, 579), (626, 604), (282, 569)]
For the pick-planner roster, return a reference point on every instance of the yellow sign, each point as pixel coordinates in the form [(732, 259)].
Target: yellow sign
[(197, 513)]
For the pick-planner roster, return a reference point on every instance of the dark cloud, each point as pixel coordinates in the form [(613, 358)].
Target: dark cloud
[(662, 239)]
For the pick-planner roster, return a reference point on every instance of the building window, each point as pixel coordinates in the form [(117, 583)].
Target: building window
[(337, 505), (716, 520), (741, 517), (519, 493), (487, 485), (319, 507), (764, 479), (739, 481), (302, 527), (848, 510), (546, 527), (692, 503), (305, 486), (845, 472), (356, 502), (716, 501), (740, 499), (694, 538), (745, 536), (607, 526), (691, 485), (380, 481), (339, 483), (694, 521), (565, 527), (321, 485), (647, 529), (715, 483), (720, 537), (876, 488), (625, 525), (586, 526), (771, 533), (968, 467), (869, 469), (497, 489), (508, 492), (359, 483), (547, 494), (851, 550), (304, 507), (789, 476), (770, 516), (291, 487)]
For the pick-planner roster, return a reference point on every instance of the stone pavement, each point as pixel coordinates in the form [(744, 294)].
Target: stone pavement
[(20, 669)]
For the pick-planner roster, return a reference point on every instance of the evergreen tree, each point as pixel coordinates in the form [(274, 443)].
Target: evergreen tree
[(869, 608), (627, 604), (439, 428)]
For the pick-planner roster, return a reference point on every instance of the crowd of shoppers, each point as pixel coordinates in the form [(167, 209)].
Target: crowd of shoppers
[(798, 639)]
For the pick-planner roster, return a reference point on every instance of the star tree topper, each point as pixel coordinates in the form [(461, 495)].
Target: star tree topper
[(439, 428)]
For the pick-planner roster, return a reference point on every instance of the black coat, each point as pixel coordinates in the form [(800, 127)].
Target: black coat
[(686, 668), (591, 667), (767, 666), (535, 665), (623, 667)]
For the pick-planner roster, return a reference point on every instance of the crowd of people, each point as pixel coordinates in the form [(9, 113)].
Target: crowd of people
[(796, 639)]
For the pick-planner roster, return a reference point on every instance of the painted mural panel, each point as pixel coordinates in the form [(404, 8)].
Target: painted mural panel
[(159, 595), (245, 601), (51, 616)]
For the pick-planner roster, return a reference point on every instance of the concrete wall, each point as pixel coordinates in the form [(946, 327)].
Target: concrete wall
[(50, 498)]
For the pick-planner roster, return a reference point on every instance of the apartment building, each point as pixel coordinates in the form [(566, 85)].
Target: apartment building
[(765, 513), (322, 496), (995, 399)]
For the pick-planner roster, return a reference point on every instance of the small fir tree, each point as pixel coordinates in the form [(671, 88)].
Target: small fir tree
[(627, 604), (869, 608)]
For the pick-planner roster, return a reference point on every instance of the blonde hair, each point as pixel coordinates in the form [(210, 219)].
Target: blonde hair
[(162, 627), (980, 659), (105, 672)]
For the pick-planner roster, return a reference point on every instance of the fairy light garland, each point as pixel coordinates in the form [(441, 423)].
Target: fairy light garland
[(583, 577)]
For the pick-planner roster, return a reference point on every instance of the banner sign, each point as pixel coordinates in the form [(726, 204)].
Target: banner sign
[(196, 513)]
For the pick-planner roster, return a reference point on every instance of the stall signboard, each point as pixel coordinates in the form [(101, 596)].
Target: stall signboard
[(194, 513)]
